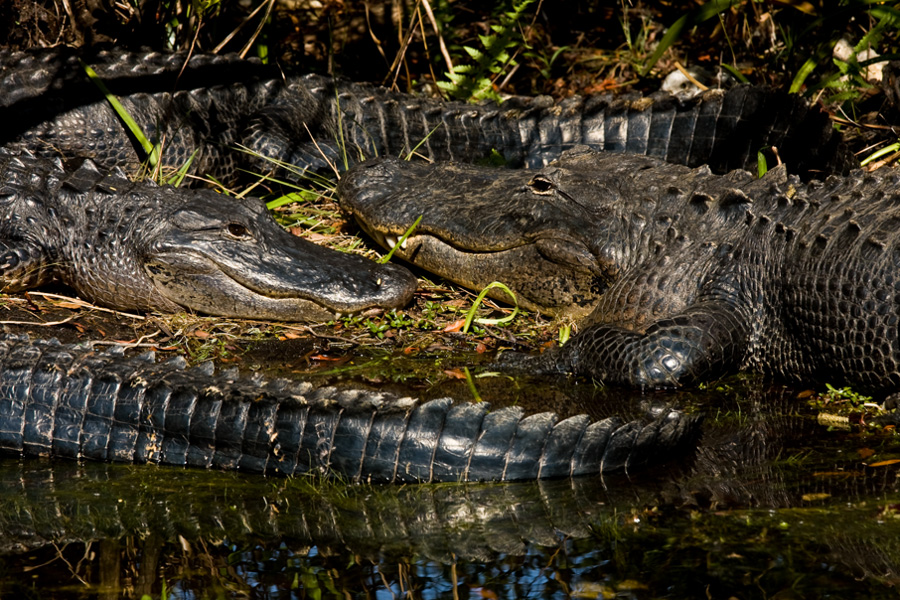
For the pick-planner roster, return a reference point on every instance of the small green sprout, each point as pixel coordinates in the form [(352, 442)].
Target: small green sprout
[(470, 316)]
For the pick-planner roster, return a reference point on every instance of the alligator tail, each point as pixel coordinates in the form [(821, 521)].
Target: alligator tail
[(724, 129), (317, 123), (69, 401)]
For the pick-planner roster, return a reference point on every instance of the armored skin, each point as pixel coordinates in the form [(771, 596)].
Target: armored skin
[(70, 401)]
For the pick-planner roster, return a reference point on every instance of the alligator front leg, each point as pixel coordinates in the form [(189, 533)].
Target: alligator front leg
[(704, 342), (23, 266), (27, 255)]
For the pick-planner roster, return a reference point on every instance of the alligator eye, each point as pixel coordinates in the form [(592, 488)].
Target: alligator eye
[(238, 230), (541, 185)]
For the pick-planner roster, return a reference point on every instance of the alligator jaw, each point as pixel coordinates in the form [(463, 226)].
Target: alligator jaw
[(197, 283), (560, 288)]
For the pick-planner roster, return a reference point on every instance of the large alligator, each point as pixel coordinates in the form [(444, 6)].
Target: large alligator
[(680, 276), (49, 106), (139, 246), (69, 401)]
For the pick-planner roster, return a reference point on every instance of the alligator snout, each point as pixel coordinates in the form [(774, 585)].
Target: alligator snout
[(369, 181), (397, 286)]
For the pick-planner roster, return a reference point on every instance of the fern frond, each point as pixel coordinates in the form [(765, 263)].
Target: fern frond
[(475, 81)]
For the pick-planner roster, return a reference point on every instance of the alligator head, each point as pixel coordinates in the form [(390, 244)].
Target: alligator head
[(546, 234), (226, 256)]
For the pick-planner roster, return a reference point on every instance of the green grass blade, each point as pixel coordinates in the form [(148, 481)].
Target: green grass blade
[(762, 166), (887, 15), (135, 129), (424, 139), (705, 12), (312, 179), (471, 383), (804, 72), (735, 73), (178, 177), (878, 154), (342, 144), (288, 198), (301, 172), (402, 239), (470, 316)]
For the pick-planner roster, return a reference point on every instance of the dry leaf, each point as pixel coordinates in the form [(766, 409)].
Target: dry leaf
[(811, 497), (454, 326), (72, 305)]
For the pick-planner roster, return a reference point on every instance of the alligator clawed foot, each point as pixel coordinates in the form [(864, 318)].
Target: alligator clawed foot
[(891, 415), (524, 363), (514, 361)]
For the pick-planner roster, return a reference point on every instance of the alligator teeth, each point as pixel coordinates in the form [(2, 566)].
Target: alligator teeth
[(388, 241)]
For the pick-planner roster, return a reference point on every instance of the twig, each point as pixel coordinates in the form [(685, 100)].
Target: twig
[(39, 323), (690, 77), (843, 121), (322, 336), (372, 35), (137, 344), (316, 144), (444, 52), (259, 27), (228, 37), (882, 162), (84, 304), (402, 52)]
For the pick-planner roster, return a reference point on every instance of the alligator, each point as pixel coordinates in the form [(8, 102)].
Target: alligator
[(139, 246), (222, 106), (70, 401), (676, 275)]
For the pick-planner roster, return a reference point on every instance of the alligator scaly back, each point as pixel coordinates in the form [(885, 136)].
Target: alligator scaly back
[(219, 103), (69, 401)]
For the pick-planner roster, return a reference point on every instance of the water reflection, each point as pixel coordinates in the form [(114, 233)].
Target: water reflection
[(770, 503)]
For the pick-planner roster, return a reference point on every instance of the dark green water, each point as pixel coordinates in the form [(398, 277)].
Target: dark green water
[(771, 506)]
